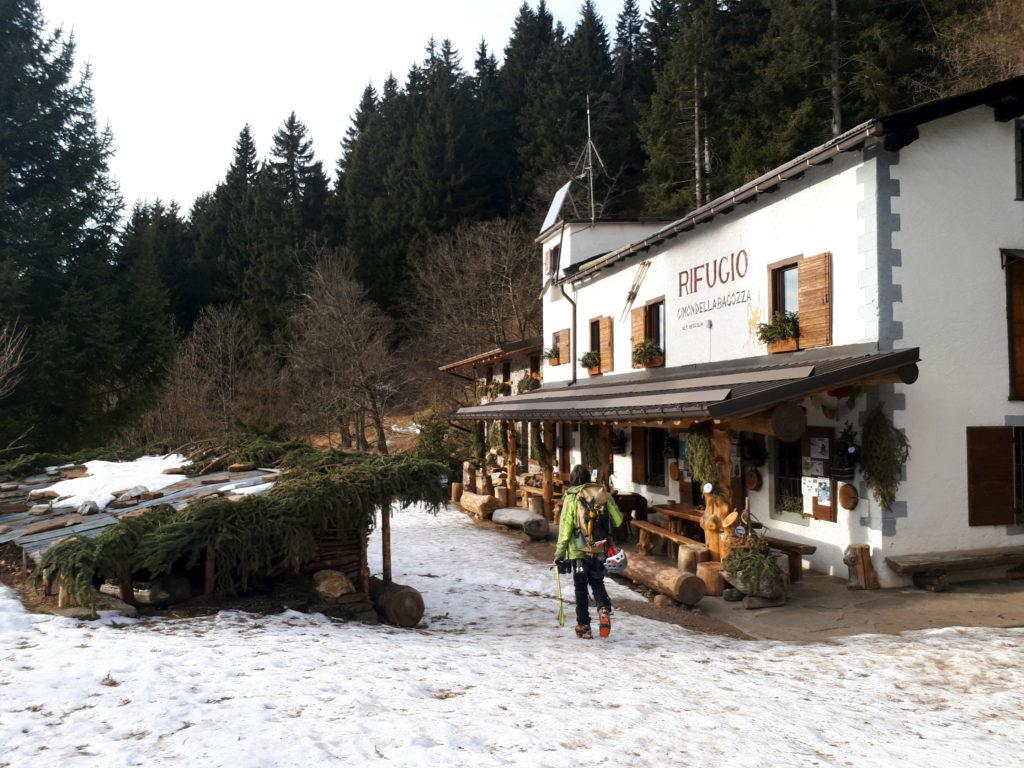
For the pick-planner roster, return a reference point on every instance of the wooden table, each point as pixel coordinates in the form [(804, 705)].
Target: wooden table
[(529, 490)]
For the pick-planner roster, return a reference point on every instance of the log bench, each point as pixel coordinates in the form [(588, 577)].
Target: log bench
[(795, 551), (929, 571), (647, 530)]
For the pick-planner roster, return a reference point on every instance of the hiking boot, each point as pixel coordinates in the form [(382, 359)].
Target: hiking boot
[(604, 621), (584, 633)]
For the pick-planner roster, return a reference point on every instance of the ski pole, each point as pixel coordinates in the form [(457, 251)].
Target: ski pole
[(561, 608)]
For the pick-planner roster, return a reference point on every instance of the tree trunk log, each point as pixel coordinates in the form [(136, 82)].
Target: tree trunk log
[(689, 556), (397, 604), (478, 504), (666, 579), (710, 573), (501, 494), (456, 492), (534, 525), (536, 505), (484, 486)]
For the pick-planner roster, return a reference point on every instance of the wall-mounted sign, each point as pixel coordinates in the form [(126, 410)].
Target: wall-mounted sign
[(715, 272)]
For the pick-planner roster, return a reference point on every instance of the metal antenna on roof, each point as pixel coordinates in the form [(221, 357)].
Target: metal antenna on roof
[(586, 161)]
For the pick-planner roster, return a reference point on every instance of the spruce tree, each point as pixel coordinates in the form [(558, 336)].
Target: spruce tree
[(59, 215)]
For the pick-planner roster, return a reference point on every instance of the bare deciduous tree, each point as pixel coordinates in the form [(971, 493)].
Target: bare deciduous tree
[(12, 355), (343, 355), (12, 358), (477, 288), (985, 47)]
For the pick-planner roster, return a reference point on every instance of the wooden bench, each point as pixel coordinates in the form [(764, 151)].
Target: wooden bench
[(647, 530), (929, 571), (795, 551)]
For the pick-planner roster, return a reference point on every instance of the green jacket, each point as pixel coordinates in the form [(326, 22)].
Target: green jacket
[(566, 547)]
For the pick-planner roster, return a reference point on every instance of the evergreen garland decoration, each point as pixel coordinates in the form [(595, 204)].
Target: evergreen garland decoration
[(254, 536), (700, 455), (884, 451), (590, 447)]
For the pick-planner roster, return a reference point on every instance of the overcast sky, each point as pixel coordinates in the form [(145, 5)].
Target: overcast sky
[(177, 79)]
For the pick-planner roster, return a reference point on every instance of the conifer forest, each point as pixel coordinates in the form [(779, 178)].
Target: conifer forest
[(313, 295)]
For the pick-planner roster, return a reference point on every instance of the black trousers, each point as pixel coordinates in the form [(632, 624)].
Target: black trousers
[(589, 572)]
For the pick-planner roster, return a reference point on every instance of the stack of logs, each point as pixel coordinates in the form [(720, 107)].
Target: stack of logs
[(348, 555)]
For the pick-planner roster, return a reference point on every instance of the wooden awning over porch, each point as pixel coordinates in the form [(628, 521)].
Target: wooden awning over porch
[(712, 391)]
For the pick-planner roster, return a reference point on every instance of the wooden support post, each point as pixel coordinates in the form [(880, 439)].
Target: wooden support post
[(125, 586), (24, 563), (385, 536), (510, 469), (210, 572), (364, 566), (604, 442), (548, 481)]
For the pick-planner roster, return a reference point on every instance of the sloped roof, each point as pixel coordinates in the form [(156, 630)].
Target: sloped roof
[(708, 391), (897, 129), (503, 352)]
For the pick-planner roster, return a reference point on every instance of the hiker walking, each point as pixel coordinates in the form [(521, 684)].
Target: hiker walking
[(585, 548)]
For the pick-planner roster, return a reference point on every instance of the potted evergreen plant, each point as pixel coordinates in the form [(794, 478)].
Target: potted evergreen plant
[(527, 384), (781, 332), (553, 354), (647, 354), (592, 362), (754, 570)]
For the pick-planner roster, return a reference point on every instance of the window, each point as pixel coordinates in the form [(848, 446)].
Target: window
[(786, 289), (648, 324), (994, 475), (595, 335), (1014, 266), (1018, 148), (788, 471), (553, 258), (647, 451), (560, 341), (655, 470), (653, 323), (803, 286)]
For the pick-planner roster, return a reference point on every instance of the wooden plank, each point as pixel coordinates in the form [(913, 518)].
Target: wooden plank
[(638, 329), (990, 476), (665, 533), (638, 453), (606, 326), (791, 546), (958, 560), (563, 346), (548, 481), (815, 301)]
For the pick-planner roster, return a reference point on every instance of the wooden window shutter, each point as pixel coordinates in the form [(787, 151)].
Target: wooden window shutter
[(638, 329), (815, 301), (1015, 316), (638, 448), (607, 360), (990, 475), (563, 346)]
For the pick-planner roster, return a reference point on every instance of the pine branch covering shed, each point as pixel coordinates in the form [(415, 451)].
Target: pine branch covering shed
[(254, 536)]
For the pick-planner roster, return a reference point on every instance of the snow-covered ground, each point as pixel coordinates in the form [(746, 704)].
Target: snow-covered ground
[(493, 681), (106, 477)]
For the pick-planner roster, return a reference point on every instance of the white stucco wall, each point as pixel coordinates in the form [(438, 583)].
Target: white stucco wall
[(822, 212), (957, 209)]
